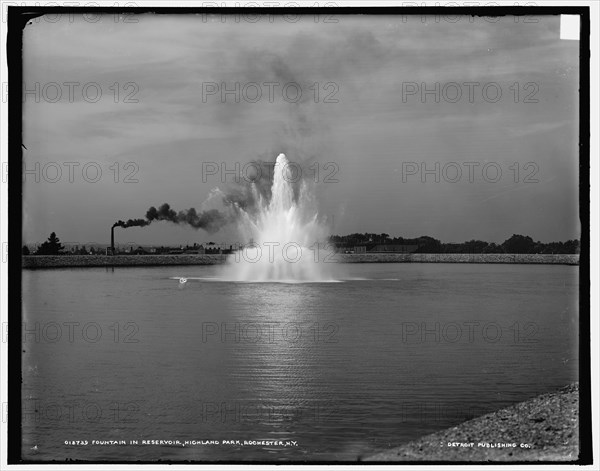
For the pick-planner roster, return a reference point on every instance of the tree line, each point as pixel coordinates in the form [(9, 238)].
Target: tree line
[(515, 244)]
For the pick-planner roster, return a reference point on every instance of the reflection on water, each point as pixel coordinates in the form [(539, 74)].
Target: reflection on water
[(393, 352)]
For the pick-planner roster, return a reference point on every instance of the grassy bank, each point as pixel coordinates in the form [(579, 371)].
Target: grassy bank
[(545, 428), (56, 261)]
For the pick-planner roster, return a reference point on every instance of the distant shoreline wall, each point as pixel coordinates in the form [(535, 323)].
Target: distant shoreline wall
[(544, 259), (64, 261)]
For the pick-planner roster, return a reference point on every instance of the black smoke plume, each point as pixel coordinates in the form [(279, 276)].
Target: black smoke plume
[(211, 220), (131, 223)]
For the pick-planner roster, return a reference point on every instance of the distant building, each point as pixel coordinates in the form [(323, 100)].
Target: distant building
[(356, 249), (393, 248), (196, 249)]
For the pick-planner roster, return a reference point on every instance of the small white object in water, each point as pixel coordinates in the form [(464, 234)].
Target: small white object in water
[(182, 280)]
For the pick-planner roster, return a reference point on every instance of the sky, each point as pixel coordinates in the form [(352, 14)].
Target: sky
[(504, 113)]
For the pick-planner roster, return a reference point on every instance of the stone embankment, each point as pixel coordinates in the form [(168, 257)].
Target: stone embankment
[(62, 261)]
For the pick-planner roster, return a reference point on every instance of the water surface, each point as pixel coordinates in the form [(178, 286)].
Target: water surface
[(393, 352)]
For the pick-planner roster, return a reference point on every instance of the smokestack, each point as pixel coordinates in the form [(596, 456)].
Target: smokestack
[(112, 240), (211, 220)]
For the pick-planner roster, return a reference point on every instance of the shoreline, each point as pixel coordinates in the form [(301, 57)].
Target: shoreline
[(65, 261), (545, 428)]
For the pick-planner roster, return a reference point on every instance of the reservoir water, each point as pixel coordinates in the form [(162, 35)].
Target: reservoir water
[(307, 371)]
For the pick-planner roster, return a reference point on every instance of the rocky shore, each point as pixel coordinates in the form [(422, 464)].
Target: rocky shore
[(545, 428), (61, 261)]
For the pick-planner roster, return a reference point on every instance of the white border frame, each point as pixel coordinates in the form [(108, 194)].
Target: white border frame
[(594, 219)]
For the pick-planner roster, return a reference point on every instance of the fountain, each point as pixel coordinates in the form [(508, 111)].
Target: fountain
[(288, 243)]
